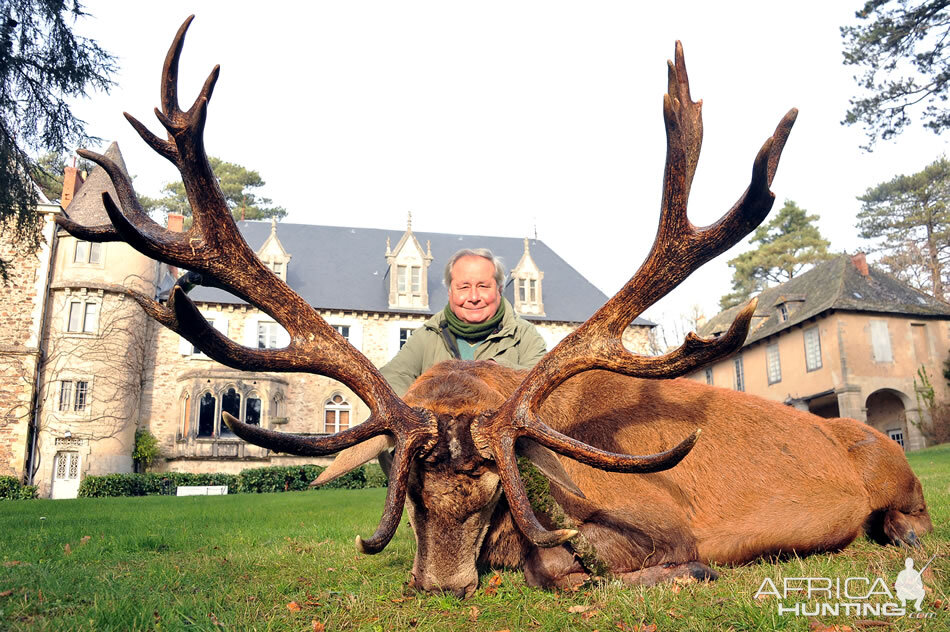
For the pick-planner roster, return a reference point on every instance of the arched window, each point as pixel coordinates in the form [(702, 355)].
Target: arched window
[(184, 411), (206, 409), (231, 404), (252, 412), (336, 415)]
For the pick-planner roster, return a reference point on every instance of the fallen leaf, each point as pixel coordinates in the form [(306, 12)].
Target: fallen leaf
[(330, 569), (12, 563), (214, 620), (84, 539), (156, 616), (867, 623), (68, 549), (578, 609), (6, 593), (674, 614), (590, 614), (293, 606), (493, 585), (317, 626), (473, 613)]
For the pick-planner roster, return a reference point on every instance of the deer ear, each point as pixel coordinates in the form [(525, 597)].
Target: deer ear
[(546, 461), (353, 457)]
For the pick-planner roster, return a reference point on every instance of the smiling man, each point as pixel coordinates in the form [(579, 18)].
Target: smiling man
[(478, 323)]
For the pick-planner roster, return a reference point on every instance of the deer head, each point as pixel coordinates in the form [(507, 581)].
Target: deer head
[(216, 255)]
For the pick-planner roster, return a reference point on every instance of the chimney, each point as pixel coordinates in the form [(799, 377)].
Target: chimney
[(176, 223), (72, 180), (860, 262)]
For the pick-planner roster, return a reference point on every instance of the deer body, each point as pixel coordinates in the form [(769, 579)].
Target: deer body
[(765, 479)]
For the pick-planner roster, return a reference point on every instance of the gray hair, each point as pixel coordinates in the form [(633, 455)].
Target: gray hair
[(484, 253)]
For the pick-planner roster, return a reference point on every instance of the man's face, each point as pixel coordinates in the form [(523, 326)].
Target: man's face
[(473, 294)]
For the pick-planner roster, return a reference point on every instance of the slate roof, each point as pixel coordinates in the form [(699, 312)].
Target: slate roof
[(835, 284), (343, 268), (86, 207)]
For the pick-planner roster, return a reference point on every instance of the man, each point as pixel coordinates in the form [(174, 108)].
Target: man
[(478, 323)]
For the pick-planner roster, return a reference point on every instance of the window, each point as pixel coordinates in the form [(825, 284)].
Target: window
[(252, 415), (880, 341), (343, 330), (404, 333), (336, 416), (83, 317), (231, 404), (277, 267), (773, 362), (527, 290), (709, 375), (897, 435), (812, 349), (206, 408), (88, 252), (409, 279), (267, 332), (73, 395), (740, 374), (783, 312)]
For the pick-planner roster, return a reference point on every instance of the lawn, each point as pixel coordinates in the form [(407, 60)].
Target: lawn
[(287, 562)]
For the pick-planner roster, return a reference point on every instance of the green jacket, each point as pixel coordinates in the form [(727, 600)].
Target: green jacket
[(515, 344)]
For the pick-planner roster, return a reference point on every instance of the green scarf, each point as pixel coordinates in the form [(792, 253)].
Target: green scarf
[(473, 331)]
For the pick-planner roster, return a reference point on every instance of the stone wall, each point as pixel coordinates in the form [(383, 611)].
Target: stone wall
[(21, 316)]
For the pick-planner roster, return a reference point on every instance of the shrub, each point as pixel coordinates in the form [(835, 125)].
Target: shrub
[(146, 448), (374, 476), (12, 489), (149, 484), (251, 481)]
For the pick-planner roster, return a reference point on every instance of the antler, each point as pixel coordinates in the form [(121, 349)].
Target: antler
[(217, 255), (679, 249)]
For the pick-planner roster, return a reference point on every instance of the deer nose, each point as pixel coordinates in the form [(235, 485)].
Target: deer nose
[(462, 591)]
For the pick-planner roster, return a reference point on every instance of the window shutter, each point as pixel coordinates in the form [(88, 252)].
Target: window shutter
[(881, 341), (250, 331), (283, 337)]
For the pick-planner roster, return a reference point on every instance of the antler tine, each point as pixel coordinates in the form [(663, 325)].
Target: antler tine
[(678, 249)]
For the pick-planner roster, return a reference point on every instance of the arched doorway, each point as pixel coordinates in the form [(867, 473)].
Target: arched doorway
[(886, 413)]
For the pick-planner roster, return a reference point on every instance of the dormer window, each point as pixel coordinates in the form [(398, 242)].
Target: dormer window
[(786, 304), (527, 278), (277, 267), (408, 271), (273, 254)]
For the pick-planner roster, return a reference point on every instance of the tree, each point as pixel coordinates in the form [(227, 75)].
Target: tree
[(786, 244), (238, 185), (48, 173), (42, 66), (901, 48), (909, 216)]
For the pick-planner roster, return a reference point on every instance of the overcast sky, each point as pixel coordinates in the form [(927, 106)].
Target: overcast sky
[(507, 118)]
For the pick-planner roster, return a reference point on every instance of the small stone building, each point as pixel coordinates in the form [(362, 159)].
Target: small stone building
[(843, 340)]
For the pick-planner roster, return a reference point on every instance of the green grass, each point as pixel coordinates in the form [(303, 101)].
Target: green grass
[(236, 562)]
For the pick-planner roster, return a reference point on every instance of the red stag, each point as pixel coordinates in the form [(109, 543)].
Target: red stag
[(766, 479)]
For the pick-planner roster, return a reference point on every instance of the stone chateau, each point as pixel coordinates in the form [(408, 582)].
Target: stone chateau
[(82, 367)]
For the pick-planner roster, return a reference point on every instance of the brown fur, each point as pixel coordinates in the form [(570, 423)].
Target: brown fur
[(764, 479)]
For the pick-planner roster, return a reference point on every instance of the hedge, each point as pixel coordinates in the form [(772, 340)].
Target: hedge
[(255, 480), (12, 489)]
